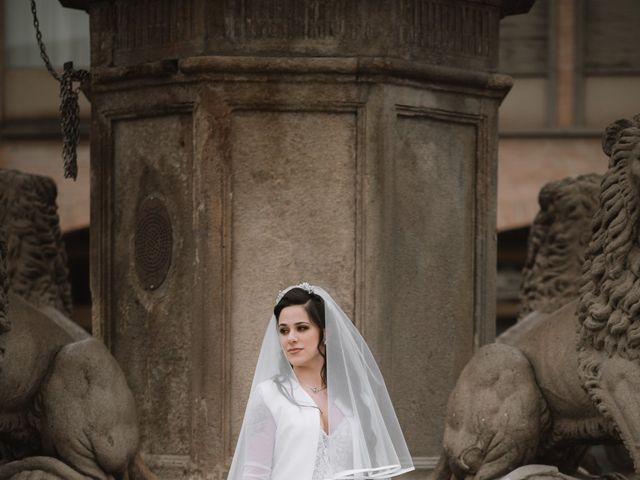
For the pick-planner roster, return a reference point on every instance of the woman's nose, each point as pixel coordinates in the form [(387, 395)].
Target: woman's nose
[(293, 337)]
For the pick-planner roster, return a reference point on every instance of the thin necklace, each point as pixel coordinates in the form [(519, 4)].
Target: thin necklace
[(315, 388)]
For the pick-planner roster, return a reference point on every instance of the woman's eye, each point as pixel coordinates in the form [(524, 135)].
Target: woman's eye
[(302, 328), (283, 332)]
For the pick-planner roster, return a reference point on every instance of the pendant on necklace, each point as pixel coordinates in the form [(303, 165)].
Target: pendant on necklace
[(316, 389)]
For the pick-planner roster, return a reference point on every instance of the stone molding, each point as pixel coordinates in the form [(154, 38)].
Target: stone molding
[(462, 28), (354, 69), (508, 7)]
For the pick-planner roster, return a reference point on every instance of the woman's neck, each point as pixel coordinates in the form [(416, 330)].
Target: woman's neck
[(309, 376)]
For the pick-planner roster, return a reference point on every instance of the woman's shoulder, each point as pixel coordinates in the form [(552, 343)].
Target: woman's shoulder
[(268, 389)]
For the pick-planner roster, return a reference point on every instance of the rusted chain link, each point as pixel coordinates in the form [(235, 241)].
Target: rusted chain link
[(69, 107), (70, 117)]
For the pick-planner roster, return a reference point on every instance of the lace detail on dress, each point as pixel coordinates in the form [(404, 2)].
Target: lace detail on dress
[(322, 469), (341, 449)]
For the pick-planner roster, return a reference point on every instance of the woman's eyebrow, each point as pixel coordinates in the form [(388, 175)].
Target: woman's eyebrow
[(304, 322)]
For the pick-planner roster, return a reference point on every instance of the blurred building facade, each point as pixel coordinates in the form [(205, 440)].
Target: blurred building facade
[(576, 68)]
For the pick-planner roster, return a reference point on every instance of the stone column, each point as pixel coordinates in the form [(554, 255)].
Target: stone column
[(241, 146)]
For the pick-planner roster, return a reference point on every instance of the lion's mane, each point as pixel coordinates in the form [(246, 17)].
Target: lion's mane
[(4, 290), (36, 261), (558, 243), (609, 304)]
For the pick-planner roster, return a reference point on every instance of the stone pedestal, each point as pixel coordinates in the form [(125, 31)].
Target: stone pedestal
[(241, 146)]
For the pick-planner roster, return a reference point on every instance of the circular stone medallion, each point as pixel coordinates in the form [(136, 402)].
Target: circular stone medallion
[(153, 242)]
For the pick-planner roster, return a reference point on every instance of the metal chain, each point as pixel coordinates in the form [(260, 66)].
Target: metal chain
[(69, 107), (70, 117), (43, 50)]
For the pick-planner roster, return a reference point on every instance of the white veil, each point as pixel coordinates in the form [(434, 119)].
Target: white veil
[(360, 409)]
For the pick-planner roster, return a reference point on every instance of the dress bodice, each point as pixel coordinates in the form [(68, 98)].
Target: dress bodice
[(341, 449), (285, 439)]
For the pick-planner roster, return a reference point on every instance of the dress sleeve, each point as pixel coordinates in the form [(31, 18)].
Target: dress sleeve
[(259, 447)]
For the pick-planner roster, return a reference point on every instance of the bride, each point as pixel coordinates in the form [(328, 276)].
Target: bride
[(318, 407)]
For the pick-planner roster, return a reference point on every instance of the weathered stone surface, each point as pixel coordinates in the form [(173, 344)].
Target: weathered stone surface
[(431, 227), (153, 328)]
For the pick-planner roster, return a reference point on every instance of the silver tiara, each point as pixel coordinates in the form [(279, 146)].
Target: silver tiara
[(304, 286)]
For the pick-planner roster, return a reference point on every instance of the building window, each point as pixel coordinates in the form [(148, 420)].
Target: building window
[(611, 61)]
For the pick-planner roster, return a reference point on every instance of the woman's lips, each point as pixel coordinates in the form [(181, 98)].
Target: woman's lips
[(294, 350)]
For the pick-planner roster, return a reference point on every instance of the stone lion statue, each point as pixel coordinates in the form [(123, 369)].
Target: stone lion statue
[(572, 377), (66, 411)]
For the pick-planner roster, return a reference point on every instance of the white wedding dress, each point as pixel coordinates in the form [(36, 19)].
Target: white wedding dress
[(286, 440)]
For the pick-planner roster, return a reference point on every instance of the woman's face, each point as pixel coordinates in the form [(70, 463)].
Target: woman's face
[(299, 337)]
